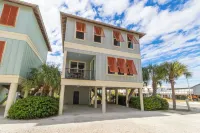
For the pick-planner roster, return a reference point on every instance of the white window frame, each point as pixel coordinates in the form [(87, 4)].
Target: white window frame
[(128, 42), (113, 40), (83, 32)]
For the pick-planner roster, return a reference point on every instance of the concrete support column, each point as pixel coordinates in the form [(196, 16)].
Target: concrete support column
[(127, 103), (89, 100), (11, 97), (103, 99), (116, 95), (95, 97), (61, 101), (64, 64), (141, 99)]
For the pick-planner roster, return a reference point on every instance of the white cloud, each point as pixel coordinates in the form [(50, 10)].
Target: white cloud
[(164, 24), (161, 2), (111, 7)]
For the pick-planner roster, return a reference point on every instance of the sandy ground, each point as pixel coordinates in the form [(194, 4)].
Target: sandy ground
[(123, 120)]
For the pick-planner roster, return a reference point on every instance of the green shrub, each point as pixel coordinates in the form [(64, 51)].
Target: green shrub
[(165, 104), (150, 103), (34, 107)]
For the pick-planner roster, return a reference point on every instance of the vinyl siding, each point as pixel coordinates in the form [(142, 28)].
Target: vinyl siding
[(101, 67), (107, 41), (12, 57), (26, 23)]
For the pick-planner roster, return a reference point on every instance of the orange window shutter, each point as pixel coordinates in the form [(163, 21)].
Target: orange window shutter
[(112, 64), (2, 46), (131, 67), (98, 31), (5, 14), (135, 40), (118, 36), (121, 65), (80, 27), (13, 16)]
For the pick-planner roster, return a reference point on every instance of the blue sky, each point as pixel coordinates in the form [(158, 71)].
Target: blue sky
[(172, 27)]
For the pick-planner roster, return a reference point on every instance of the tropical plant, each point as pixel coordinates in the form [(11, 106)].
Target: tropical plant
[(145, 75), (150, 103), (155, 73), (172, 71), (34, 107), (45, 79)]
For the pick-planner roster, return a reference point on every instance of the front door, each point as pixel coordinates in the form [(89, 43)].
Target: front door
[(76, 97)]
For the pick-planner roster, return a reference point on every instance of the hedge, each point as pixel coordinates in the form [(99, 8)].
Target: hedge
[(150, 103), (34, 107)]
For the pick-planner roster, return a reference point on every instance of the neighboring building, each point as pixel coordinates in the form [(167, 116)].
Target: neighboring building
[(196, 89), (23, 44), (97, 57)]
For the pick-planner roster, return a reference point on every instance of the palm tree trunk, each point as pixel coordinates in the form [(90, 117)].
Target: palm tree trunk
[(154, 85), (25, 93), (173, 95)]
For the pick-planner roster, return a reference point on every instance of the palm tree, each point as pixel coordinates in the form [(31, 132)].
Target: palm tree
[(172, 71), (145, 75), (46, 78), (27, 85), (155, 73)]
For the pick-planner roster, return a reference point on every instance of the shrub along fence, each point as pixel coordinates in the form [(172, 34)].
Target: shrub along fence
[(150, 103), (34, 107)]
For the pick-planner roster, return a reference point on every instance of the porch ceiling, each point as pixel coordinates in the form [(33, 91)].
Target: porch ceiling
[(79, 56)]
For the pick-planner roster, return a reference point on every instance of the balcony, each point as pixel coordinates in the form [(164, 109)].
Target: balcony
[(81, 74)]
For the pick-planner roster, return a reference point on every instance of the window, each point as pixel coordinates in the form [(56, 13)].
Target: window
[(130, 43), (80, 30), (117, 38), (98, 33), (131, 67), (97, 38), (9, 15), (112, 65), (2, 46), (77, 66)]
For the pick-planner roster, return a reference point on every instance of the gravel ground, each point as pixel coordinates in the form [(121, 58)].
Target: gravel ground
[(135, 122)]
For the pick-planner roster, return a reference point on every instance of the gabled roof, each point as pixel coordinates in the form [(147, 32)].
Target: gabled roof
[(64, 17), (38, 18)]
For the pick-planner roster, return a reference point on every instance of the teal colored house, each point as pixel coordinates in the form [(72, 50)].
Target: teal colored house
[(23, 44)]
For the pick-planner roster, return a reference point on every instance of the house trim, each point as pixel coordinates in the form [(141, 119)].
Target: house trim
[(11, 79), (101, 50), (99, 83), (22, 37)]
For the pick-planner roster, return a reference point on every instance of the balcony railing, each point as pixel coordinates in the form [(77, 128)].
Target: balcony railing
[(72, 73)]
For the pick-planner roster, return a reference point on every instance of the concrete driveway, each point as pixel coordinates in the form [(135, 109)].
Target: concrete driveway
[(130, 121)]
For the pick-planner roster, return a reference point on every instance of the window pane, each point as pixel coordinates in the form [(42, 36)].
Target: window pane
[(97, 38), (81, 65), (79, 35), (74, 65), (116, 43), (130, 45)]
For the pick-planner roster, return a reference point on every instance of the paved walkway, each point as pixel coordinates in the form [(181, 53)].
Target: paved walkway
[(113, 122), (118, 119)]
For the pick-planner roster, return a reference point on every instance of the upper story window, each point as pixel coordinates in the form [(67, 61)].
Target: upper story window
[(98, 34), (80, 30), (9, 15), (117, 38), (130, 41), (2, 46)]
